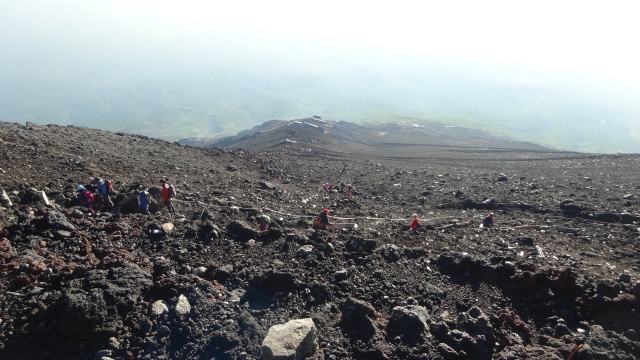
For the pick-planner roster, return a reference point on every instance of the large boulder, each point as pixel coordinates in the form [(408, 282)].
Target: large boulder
[(57, 221), (410, 320), (297, 339), (475, 322), (361, 320), (242, 230), (96, 304), (391, 252)]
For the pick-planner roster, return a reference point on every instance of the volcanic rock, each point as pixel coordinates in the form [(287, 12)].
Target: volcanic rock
[(297, 339), (305, 250), (447, 352), (182, 308), (624, 277), (96, 304), (57, 221), (390, 252), (241, 230), (410, 320)]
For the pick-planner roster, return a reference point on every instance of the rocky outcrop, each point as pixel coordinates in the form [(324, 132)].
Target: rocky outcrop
[(96, 304)]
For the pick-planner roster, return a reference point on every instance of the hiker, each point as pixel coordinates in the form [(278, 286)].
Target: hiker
[(349, 189), (327, 187), (85, 197), (423, 200), (415, 222), (103, 188), (78, 196), (168, 193), (264, 222), (488, 221), (143, 200), (323, 220)]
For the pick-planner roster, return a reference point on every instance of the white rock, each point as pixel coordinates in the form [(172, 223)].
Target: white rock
[(158, 308), (5, 198), (183, 308), (305, 250), (114, 343), (167, 227), (297, 339), (44, 197), (199, 271)]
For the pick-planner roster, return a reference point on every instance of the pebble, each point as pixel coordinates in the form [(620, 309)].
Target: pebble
[(183, 308), (114, 343), (146, 325), (509, 265), (158, 308), (624, 277), (103, 353), (163, 331), (199, 271), (305, 250)]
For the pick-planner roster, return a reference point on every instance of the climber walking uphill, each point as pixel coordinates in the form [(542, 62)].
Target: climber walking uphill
[(168, 193), (323, 219), (264, 222)]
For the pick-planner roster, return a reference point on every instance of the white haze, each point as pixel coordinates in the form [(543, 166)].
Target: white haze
[(560, 64)]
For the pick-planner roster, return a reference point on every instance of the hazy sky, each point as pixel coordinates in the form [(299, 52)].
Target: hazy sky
[(238, 62), (587, 37), (582, 36)]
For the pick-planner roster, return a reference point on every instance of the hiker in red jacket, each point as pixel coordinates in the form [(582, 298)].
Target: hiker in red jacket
[(415, 222), (323, 220), (168, 193)]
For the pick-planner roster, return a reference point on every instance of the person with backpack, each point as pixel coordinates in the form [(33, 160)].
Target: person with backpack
[(143, 200), (264, 222), (168, 193), (78, 196), (103, 188), (84, 197), (323, 219)]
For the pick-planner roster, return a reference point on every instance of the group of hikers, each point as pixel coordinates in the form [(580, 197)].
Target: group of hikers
[(97, 194), (270, 163), (346, 189)]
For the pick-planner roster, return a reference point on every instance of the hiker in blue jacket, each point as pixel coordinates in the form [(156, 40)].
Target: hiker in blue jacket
[(103, 188), (143, 200)]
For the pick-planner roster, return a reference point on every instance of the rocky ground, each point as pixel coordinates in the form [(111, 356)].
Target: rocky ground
[(122, 285)]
